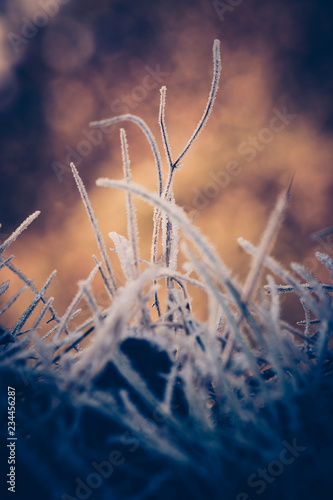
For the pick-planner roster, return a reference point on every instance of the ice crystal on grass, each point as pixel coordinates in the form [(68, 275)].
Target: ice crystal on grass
[(181, 408)]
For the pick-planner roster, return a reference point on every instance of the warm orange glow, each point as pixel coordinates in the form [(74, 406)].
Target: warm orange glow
[(225, 205)]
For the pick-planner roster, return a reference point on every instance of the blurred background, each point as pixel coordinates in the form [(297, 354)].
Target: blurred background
[(64, 63)]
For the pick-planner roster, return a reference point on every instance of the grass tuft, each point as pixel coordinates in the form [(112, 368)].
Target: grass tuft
[(160, 406)]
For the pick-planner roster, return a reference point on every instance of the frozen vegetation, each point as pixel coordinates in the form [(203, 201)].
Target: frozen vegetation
[(159, 405)]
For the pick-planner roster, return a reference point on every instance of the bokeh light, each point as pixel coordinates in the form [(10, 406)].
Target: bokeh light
[(94, 60)]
